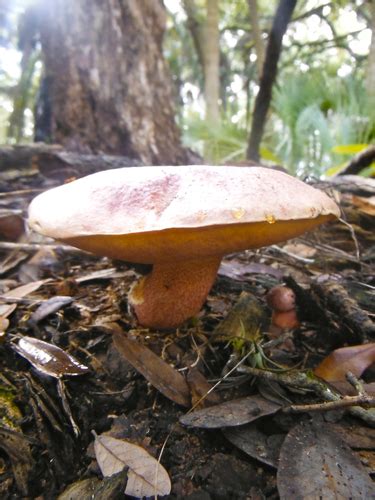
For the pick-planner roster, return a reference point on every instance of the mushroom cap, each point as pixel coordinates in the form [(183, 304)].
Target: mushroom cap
[(154, 214)]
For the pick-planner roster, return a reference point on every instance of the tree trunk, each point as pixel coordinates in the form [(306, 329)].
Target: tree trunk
[(280, 23), (257, 35), (370, 77), (108, 84), (211, 56)]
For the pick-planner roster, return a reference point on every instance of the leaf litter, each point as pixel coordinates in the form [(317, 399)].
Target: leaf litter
[(182, 365), (146, 476)]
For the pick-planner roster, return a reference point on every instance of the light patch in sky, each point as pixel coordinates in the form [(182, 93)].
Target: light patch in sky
[(10, 62)]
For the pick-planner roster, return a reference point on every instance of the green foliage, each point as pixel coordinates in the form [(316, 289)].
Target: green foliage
[(315, 116), (224, 143)]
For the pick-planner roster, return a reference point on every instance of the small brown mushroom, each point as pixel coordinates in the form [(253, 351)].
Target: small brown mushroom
[(281, 298), (285, 320), (180, 219)]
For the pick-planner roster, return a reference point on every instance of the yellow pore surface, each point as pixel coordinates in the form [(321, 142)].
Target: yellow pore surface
[(192, 243)]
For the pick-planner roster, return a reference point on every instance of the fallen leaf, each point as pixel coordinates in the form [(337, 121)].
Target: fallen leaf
[(23, 290), (231, 413), (240, 271), (7, 309), (48, 358), (160, 374), (316, 463), (4, 323), (146, 476), (50, 306), (365, 205), (17, 447), (255, 443), (200, 389), (105, 274), (355, 359)]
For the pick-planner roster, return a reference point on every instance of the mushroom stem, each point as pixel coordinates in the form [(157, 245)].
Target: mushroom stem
[(173, 292)]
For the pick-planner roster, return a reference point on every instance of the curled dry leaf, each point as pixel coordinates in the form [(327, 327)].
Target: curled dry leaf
[(146, 476), (50, 306), (355, 359), (49, 359)]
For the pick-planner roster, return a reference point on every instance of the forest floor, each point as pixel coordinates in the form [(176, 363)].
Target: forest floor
[(98, 375)]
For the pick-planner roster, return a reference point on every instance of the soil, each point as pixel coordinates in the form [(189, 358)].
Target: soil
[(46, 426)]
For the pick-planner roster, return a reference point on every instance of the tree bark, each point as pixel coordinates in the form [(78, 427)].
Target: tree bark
[(280, 23), (370, 76), (211, 56), (108, 84), (257, 35)]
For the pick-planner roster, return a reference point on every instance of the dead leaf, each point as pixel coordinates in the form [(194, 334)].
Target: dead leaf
[(7, 309), (316, 463), (23, 290), (105, 274), (200, 389), (365, 205), (231, 413), (166, 379), (355, 359), (48, 358), (240, 271), (17, 447), (245, 318), (255, 443), (4, 323), (146, 476), (50, 306)]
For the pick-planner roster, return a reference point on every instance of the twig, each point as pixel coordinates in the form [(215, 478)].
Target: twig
[(333, 405), (292, 255), (34, 247), (354, 238), (356, 383), (308, 382)]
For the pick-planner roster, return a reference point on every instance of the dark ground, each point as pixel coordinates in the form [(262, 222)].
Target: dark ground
[(41, 454)]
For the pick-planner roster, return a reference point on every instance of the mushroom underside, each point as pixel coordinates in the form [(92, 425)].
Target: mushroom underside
[(191, 243), (185, 262)]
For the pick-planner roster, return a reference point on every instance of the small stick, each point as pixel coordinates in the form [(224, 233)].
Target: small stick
[(33, 247), (333, 405)]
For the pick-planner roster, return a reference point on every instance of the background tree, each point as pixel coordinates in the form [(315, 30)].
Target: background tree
[(108, 84), (282, 17), (320, 110)]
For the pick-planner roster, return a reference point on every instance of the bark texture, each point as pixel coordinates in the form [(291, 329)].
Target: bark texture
[(211, 57), (107, 80), (257, 35)]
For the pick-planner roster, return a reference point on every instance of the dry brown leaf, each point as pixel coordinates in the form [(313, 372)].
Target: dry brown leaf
[(48, 358), (146, 476), (7, 309), (4, 323), (365, 205), (316, 463), (23, 290), (231, 413), (355, 359), (161, 375)]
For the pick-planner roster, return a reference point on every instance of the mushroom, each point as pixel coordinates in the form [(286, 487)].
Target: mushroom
[(282, 300), (182, 220)]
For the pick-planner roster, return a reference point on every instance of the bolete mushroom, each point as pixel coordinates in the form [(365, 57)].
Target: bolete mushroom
[(182, 220)]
